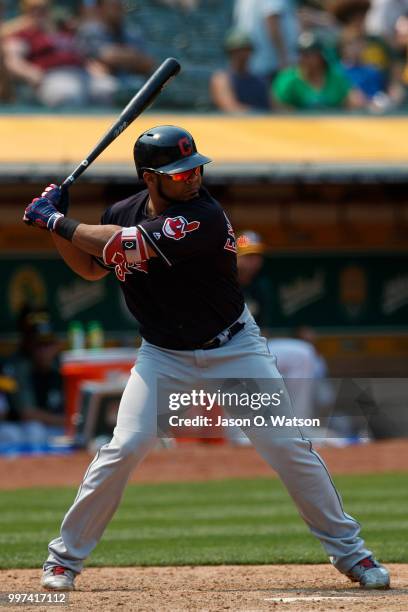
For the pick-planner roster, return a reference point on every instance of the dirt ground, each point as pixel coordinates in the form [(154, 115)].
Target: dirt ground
[(195, 461), (235, 588)]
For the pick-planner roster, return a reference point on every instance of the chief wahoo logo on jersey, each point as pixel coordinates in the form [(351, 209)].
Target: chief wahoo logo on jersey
[(178, 227)]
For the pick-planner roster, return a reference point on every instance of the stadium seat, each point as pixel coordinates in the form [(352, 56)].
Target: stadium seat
[(195, 37)]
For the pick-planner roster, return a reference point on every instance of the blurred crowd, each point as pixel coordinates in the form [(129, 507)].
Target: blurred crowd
[(56, 58), (320, 55), (279, 55), (31, 390)]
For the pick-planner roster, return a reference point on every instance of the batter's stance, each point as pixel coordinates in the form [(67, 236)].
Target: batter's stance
[(172, 249)]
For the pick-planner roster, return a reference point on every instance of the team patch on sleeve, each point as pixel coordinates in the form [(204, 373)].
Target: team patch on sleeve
[(178, 227), (126, 250)]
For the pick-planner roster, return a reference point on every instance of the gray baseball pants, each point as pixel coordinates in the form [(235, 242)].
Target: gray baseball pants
[(300, 468)]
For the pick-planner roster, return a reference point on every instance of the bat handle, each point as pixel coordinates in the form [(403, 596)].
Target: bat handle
[(67, 182), (64, 201)]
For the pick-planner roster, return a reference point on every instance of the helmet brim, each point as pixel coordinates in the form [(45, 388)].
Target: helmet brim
[(181, 165)]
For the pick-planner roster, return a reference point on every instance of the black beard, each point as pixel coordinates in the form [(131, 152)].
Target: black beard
[(162, 194)]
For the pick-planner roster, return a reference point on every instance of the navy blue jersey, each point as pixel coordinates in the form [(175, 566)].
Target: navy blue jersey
[(188, 293)]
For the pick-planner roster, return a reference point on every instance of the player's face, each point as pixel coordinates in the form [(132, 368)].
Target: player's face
[(182, 190)]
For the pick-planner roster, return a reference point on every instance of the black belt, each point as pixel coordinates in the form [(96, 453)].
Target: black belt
[(224, 336)]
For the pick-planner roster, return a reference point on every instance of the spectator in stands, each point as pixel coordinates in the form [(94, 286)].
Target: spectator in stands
[(115, 47), (35, 368), (351, 16), (6, 89), (375, 52), (303, 368), (365, 77), (401, 38), (314, 16), (315, 83), (41, 52), (273, 28), (236, 89), (295, 357), (10, 430), (382, 18), (255, 284)]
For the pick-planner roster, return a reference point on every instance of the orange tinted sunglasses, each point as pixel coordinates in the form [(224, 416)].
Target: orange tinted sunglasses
[(184, 176)]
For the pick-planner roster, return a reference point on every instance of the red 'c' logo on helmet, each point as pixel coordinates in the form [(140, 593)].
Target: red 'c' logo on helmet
[(185, 146)]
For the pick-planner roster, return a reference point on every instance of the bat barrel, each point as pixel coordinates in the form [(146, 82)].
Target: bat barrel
[(143, 99), (151, 89)]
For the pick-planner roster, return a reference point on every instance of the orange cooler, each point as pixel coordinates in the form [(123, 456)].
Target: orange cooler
[(90, 365)]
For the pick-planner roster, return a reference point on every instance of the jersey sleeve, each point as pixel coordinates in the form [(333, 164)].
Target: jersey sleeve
[(185, 231)]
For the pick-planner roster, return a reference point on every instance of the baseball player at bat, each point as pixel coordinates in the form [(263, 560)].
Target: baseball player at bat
[(173, 251)]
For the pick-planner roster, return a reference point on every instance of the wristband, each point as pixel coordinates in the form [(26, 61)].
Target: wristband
[(65, 227), (52, 221)]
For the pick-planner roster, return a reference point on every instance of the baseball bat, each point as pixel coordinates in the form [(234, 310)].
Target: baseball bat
[(142, 99)]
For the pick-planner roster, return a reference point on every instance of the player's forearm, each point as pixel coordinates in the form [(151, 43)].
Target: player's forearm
[(93, 238), (80, 262)]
